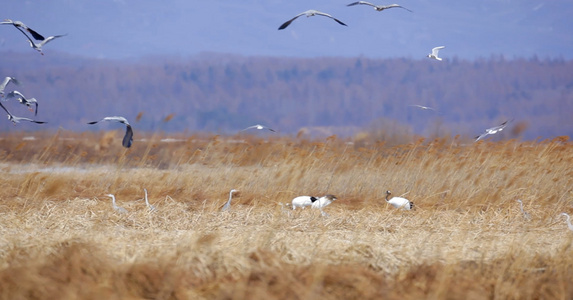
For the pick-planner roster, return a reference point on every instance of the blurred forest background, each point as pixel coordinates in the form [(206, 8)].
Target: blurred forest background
[(224, 93)]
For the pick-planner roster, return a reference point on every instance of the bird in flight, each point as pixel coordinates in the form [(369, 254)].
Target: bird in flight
[(5, 82), (378, 7), (259, 127), (128, 137), (19, 24), (15, 119), (422, 107), (434, 53), (309, 13), (25, 101), (492, 130)]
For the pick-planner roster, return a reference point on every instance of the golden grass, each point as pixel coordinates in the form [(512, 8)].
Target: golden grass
[(466, 239)]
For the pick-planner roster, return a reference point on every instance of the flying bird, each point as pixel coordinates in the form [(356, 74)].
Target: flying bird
[(259, 127), (38, 46), (5, 82), (492, 130), (128, 137), (25, 101), (422, 107), (434, 53), (378, 7), (310, 13), (399, 202), (15, 119), (19, 25)]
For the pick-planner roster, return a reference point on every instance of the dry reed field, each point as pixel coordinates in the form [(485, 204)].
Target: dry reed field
[(60, 238)]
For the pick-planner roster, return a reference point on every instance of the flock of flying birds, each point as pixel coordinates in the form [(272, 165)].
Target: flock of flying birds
[(300, 201), (128, 137)]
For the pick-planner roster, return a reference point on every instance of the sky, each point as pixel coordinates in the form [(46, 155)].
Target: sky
[(128, 29)]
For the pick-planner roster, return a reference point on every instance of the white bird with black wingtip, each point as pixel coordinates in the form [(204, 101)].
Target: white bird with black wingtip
[(128, 137), (314, 202), (492, 130), (259, 127), (378, 7), (399, 202), (310, 13), (434, 54), (15, 119), (24, 101), (19, 24)]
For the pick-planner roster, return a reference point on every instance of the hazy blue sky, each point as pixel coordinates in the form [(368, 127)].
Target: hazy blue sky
[(130, 28)]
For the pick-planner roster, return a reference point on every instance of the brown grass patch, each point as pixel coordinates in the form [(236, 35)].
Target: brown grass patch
[(60, 238)]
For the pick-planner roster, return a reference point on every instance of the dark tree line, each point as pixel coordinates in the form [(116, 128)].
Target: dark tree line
[(216, 92)]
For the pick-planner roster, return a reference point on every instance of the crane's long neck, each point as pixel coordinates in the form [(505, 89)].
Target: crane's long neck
[(230, 196), (387, 195), (113, 200), (146, 201)]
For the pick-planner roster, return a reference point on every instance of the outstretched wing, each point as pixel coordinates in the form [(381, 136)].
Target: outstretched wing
[(436, 49), (327, 15), (396, 5), (50, 38), (36, 35), (287, 23), (128, 137), (5, 109), (361, 2)]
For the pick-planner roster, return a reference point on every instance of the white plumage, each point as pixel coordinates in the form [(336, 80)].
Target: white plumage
[(119, 209), (435, 51), (227, 205), (399, 202), (309, 13), (568, 221), (314, 202)]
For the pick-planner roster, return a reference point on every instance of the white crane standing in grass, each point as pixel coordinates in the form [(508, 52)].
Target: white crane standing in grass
[(525, 214), (149, 206), (303, 201), (399, 202), (5, 82), (568, 221), (128, 137), (227, 205), (119, 209), (310, 13)]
